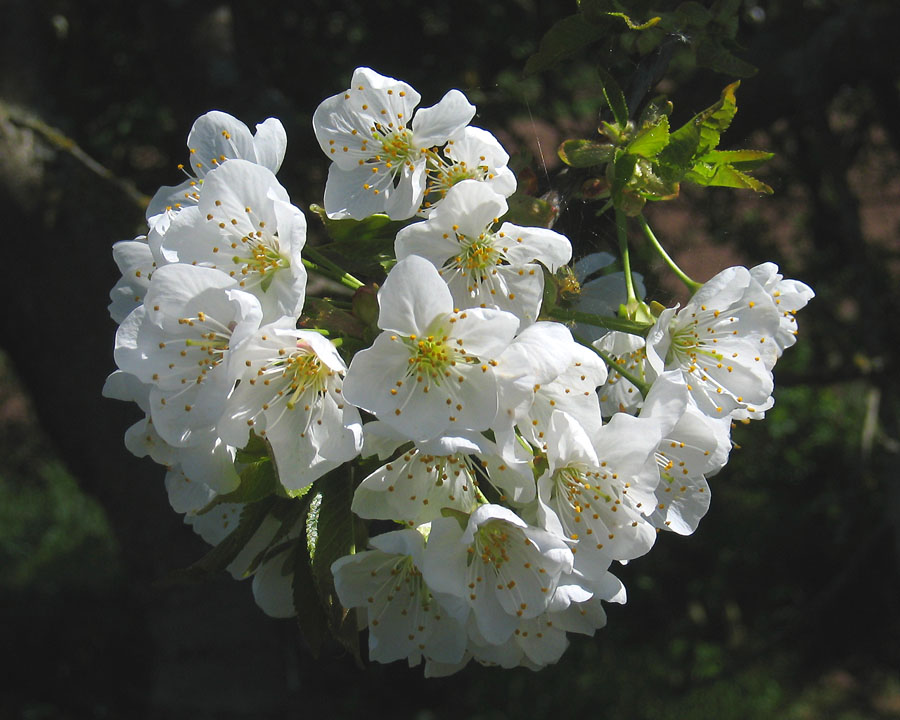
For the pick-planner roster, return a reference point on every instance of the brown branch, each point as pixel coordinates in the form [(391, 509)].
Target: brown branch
[(57, 139)]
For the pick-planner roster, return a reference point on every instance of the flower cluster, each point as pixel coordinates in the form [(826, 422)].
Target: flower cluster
[(519, 457)]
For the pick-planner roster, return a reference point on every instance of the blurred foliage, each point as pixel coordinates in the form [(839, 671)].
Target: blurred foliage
[(785, 602)]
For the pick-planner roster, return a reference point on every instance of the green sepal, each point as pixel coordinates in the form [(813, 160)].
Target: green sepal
[(638, 311), (256, 449), (258, 476), (585, 153), (458, 515), (360, 246)]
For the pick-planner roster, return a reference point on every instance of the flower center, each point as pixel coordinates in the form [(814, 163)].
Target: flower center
[(478, 256), (208, 344), (443, 175), (396, 145), (304, 373), (492, 544), (688, 348), (432, 357)]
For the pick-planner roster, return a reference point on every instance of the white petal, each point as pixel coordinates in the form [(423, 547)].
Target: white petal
[(435, 125)]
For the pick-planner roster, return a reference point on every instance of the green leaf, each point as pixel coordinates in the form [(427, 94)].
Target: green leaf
[(741, 159), (693, 14), (585, 153), (310, 614), (223, 554), (623, 172), (725, 176), (564, 39), (700, 134), (258, 478), (649, 141), (615, 98), (330, 532), (712, 54), (290, 513)]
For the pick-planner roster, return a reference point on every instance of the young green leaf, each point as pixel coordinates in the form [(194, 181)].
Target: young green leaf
[(615, 98), (649, 141)]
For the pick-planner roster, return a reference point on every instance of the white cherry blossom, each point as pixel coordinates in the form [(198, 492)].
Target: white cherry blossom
[(245, 226), (502, 568), (485, 267), (405, 617), (177, 342), (618, 394), (723, 341), (697, 446), (379, 144), (599, 491), (214, 138), (290, 393), (433, 369), (470, 154), (789, 296), (136, 263), (573, 391)]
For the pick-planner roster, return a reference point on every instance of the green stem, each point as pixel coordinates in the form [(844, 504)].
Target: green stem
[(692, 285), (326, 267), (343, 278), (622, 230), (642, 386), (610, 323)]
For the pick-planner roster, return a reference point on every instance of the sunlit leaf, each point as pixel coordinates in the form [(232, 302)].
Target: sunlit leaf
[(725, 176), (649, 141)]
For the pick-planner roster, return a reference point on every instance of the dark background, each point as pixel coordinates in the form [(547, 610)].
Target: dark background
[(783, 604)]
